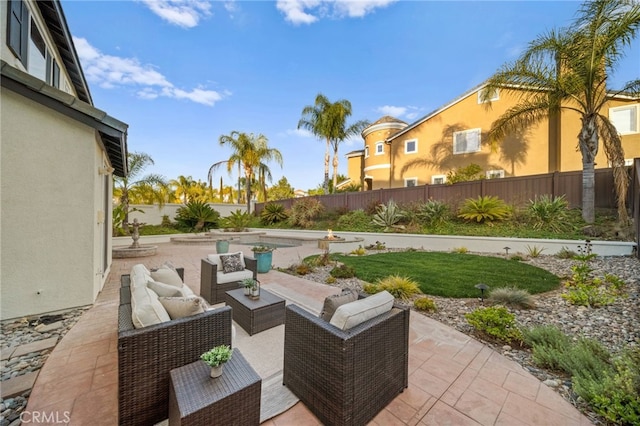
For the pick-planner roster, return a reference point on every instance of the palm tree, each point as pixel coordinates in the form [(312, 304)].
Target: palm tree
[(184, 186), (155, 183), (250, 153), (567, 70), (327, 120)]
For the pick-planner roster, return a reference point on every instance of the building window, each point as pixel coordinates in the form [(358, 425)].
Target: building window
[(438, 179), (37, 54), (495, 174), (625, 119), (411, 146), (495, 95), (366, 151), (18, 29), (379, 148), (466, 141), (411, 182)]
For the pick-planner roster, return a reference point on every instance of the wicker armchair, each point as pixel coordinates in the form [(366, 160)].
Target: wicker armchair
[(346, 377), (211, 289), (147, 355)]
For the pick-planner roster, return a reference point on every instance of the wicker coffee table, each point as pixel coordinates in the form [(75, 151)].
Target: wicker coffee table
[(231, 399), (256, 315)]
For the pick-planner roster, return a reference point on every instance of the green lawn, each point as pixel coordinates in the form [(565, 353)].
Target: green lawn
[(452, 274)]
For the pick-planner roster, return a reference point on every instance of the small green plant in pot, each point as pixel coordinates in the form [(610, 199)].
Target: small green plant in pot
[(216, 357), (246, 285), (264, 256)]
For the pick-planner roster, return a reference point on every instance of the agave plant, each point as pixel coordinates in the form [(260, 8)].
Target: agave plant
[(484, 208), (237, 221), (273, 213), (197, 216), (433, 212), (548, 212), (387, 215)]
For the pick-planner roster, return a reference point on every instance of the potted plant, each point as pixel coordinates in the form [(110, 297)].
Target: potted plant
[(255, 290), (216, 357), (246, 285), (264, 257), (222, 245)]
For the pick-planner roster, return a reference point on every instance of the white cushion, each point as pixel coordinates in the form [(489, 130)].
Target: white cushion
[(165, 290), (233, 276), (215, 259), (186, 291), (180, 307), (351, 314), (139, 276), (167, 275), (146, 310)]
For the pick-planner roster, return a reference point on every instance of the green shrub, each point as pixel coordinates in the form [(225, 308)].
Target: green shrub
[(549, 344), (497, 322), (425, 304), (370, 288), (273, 213), (197, 216), (465, 174), (513, 297), (516, 257), (360, 251), (356, 221), (343, 271), (461, 250), (584, 290), (166, 222), (565, 253), (484, 208), (304, 212), (237, 221), (330, 280), (303, 269), (400, 287), (547, 212), (377, 246), (433, 212), (534, 251), (387, 215)]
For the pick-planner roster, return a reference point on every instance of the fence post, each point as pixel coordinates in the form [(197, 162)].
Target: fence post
[(426, 191), (555, 184)]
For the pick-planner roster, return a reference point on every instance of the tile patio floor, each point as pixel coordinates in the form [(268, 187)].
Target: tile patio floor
[(453, 379)]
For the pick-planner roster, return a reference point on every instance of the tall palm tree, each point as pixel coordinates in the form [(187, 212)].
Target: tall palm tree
[(327, 120), (251, 153), (138, 161), (567, 70), (184, 186)]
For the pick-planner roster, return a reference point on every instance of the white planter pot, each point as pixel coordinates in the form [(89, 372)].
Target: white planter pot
[(216, 371)]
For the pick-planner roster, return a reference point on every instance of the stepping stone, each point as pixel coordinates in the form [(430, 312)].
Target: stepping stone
[(37, 346), (18, 385), (45, 328), (7, 353)]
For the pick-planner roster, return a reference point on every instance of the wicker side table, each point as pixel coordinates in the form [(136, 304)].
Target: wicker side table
[(231, 399), (256, 315)]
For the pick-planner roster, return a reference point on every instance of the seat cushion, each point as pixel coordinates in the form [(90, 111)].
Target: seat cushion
[(331, 303), (180, 307), (351, 314), (165, 290), (139, 276), (146, 310), (221, 277)]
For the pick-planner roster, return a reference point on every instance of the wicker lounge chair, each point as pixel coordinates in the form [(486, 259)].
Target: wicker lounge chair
[(147, 355), (211, 289), (346, 377)]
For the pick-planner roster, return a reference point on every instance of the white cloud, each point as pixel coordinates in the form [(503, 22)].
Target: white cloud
[(393, 111), (184, 13), (309, 11), (112, 71), (299, 132)]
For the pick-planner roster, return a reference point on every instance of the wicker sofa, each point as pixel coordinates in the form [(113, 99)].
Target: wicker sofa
[(213, 289), (146, 356), (346, 377)]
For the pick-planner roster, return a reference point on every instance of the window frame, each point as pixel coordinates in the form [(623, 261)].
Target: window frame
[(434, 177), (406, 144), (366, 151), (635, 107), (495, 97), (476, 130), (18, 41), (379, 152), (410, 179), (494, 174)]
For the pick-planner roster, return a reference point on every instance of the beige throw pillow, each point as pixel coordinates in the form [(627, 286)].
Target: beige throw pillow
[(331, 303), (164, 290), (180, 307), (167, 276)]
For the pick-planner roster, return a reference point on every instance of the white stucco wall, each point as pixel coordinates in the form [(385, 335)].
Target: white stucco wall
[(153, 214), (48, 221)]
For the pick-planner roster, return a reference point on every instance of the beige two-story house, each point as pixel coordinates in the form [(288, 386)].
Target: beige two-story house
[(57, 156)]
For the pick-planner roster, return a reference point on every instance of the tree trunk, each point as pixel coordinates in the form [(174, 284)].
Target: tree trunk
[(588, 142), (335, 169), (124, 200), (325, 184), (239, 190)]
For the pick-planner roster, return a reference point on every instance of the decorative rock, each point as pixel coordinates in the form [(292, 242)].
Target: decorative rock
[(551, 383)]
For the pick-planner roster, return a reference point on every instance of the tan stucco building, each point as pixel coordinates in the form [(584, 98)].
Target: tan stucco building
[(57, 156), (398, 154)]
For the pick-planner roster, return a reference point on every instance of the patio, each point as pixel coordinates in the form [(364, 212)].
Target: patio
[(453, 379)]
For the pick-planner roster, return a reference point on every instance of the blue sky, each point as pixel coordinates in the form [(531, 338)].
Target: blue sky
[(183, 73)]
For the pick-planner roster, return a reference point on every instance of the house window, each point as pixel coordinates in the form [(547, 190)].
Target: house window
[(495, 95), (366, 151), (411, 146), (411, 182), (625, 119), (18, 29), (438, 179), (466, 141), (380, 148), (37, 54), (495, 174)]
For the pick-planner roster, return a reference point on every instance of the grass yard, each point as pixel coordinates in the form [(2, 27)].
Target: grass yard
[(452, 274)]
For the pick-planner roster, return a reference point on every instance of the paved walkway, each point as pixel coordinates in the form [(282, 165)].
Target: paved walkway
[(453, 379)]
